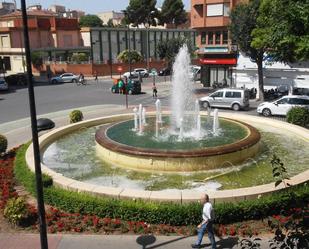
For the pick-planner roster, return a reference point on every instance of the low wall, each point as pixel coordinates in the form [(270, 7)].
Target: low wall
[(181, 196)]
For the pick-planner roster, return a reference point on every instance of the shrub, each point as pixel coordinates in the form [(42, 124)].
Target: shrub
[(3, 144), (79, 57), (161, 213), (15, 210), (298, 116), (125, 55), (76, 116)]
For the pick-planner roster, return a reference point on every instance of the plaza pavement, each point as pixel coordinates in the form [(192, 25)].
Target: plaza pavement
[(67, 241)]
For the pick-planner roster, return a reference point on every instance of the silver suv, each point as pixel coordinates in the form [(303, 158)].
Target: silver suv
[(233, 98)]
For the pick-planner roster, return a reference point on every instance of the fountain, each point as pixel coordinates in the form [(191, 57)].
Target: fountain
[(183, 138), (175, 149)]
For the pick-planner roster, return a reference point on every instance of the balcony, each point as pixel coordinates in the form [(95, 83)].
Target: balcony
[(217, 21)]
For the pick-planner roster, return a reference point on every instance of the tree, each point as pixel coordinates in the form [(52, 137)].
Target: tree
[(110, 23), (173, 12), (243, 22), (168, 49), (36, 59), (126, 56), (283, 27), (141, 12), (90, 21), (79, 57)]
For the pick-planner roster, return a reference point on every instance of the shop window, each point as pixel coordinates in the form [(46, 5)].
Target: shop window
[(226, 9), (203, 38), (210, 38), (218, 37), (225, 37)]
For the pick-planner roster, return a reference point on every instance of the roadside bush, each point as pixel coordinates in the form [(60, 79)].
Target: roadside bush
[(79, 57), (161, 213), (15, 210), (3, 144), (76, 116), (298, 116)]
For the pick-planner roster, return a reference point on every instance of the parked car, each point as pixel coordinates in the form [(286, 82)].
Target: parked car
[(19, 79), (133, 87), (282, 105), (234, 98), (3, 85), (165, 71), (64, 78), (143, 71), (133, 75)]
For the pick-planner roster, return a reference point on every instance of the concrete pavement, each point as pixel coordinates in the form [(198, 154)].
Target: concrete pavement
[(67, 241)]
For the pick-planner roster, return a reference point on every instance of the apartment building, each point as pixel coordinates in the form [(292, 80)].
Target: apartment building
[(220, 60), (47, 33)]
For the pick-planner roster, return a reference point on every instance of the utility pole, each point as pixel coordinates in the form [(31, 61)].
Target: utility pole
[(35, 139)]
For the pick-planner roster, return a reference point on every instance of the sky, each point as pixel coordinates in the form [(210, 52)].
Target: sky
[(90, 6)]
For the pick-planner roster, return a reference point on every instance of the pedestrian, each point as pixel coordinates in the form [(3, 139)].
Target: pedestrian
[(48, 77), (120, 86), (81, 78), (154, 91), (207, 223), (96, 77)]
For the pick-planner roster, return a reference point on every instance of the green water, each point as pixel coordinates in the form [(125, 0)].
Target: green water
[(123, 133), (74, 156)]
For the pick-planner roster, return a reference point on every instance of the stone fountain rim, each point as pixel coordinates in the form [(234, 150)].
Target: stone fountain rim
[(252, 138), (179, 196)]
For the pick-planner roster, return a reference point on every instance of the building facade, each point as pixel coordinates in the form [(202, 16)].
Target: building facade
[(115, 17), (217, 55), (48, 35), (220, 60), (107, 43)]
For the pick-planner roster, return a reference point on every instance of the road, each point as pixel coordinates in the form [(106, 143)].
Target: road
[(14, 105)]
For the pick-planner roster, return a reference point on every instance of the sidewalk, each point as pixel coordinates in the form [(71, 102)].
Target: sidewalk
[(66, 241)]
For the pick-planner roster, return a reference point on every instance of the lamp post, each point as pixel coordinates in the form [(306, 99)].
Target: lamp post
[(35, 139), (147, 44)]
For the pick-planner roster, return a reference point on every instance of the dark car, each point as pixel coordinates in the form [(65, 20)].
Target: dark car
[(19, 79), (133, 87), (165, 71)]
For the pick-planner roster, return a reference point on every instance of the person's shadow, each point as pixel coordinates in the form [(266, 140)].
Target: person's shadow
[(225, 243)]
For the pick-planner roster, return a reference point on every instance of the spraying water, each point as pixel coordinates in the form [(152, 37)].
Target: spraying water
[(182, 100)]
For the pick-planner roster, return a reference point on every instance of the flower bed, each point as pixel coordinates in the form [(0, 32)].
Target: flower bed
[(76, 213)]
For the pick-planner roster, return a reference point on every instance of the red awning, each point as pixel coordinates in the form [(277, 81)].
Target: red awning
[(232, 61)]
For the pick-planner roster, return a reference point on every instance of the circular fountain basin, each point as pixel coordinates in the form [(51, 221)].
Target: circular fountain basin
[(115, 146)]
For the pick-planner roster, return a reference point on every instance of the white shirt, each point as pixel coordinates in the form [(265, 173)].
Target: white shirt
[(208, 212)]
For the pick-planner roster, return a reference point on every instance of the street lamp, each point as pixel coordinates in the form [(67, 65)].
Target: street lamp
[(35, 139), (147, 44)]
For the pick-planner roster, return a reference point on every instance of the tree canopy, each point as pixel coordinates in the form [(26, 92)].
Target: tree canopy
[(90, 21), (243, 22), (173, 12), (283, 27), (132, 56), (141, 12), (168, 49)]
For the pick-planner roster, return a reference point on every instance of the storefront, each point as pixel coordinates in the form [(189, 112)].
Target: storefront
[(217, 69)]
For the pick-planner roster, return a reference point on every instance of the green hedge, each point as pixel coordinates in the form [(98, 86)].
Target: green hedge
[(160, 213), (298, 116)]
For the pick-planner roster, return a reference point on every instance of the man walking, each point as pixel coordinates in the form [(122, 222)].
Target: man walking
[(206, 224)]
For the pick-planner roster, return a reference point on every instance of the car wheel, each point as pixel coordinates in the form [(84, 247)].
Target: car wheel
[(130, 92), (205, 105), (236, 107), (54, 82), (74, 81), (266, 112)]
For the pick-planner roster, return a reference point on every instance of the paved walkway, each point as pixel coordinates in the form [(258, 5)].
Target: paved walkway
[(32, 241)]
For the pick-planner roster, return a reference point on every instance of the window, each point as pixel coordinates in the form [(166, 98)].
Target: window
[(218, 37), (233, 94), (282, 101), (214, 9), (226, 9), (217, 95), (5, 63), (225, 37), (295, 101), (210, 38), (5, 41), (203, 38)]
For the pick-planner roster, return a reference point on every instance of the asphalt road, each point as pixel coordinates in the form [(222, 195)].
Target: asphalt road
[(14, 105)]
